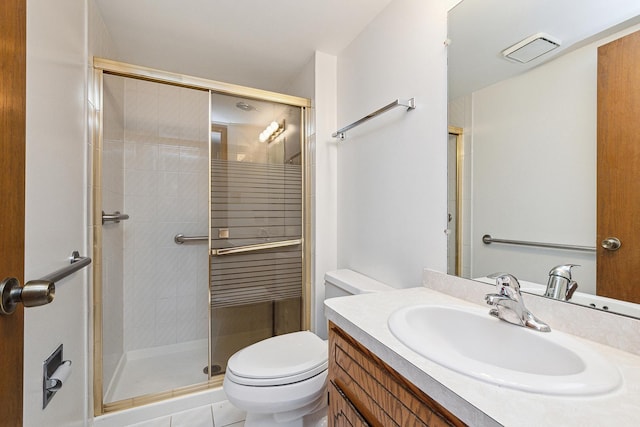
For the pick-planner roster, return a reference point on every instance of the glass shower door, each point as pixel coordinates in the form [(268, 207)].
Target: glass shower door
[(155, 155), (256, 264)]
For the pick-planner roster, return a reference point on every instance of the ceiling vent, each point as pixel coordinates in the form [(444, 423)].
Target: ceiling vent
[(531, 48)]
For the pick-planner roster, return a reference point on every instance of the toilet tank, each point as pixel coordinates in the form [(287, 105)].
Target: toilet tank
[(345, 282)]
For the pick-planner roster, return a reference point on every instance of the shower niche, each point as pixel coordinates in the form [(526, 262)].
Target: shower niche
[(225, 171)]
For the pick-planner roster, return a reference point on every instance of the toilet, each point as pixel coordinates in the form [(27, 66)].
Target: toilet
[(281, 381)]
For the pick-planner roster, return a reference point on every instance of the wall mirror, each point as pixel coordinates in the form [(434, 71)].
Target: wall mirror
[(528, 154)]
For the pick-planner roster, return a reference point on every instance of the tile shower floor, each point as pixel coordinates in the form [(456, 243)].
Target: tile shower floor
[(159, 369)]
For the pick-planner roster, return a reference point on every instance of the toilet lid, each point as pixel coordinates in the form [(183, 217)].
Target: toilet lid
[(279, 360)]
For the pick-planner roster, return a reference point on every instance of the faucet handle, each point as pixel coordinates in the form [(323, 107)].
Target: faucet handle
[(571, 289), (560, 285), (563, 270), (507, 285), (509, 305)]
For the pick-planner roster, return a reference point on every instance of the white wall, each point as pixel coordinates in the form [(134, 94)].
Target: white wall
[(318, 82), (56, 217), (324, 169), (392, 170), (59, 67), (534, 168)]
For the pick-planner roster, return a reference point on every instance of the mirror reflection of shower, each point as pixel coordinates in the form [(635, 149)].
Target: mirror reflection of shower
[(197, 180)]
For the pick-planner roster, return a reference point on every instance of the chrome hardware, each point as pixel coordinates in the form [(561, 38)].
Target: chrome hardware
[(181, 238), (509, 305), (257, 247), (487, 239), (560, 286), (409, 104), (33, 294), (77, 263), (114, 217), (36, 292), (55, 372), (611, 243)]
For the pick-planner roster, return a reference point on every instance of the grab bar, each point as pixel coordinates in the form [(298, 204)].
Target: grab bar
[(37, 292), (77, 262), (256, 247), (114, 217), (181, 238), (487, 239), (410, 104)]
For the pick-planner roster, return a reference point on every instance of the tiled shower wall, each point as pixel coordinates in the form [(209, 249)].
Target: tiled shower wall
[(165, 187)]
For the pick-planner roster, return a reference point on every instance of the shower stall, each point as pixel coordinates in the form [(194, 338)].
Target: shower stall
[(200, 229)]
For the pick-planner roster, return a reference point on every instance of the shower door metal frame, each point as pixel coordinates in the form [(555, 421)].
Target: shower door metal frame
[(105, 66)]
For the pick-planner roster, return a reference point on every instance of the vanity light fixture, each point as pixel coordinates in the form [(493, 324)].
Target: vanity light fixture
[(531, 48), (272, 131)]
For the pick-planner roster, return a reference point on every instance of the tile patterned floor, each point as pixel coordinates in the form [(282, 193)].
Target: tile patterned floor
[(221, 414)]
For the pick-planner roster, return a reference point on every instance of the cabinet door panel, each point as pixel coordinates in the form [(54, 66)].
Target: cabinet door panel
[(342, 413), (379, 393)]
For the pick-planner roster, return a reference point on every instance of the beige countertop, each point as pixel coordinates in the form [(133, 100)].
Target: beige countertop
[(476, 402)]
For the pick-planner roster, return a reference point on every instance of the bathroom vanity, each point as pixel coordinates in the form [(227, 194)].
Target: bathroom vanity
[(363, 390), (377, 380)]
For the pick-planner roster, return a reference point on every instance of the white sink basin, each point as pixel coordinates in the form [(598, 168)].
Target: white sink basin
[(470, 341)]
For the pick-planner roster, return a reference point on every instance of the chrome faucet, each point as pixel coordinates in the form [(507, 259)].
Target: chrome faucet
[(509, 305), (560, 286)]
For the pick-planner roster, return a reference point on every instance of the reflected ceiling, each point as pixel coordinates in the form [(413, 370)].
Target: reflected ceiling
[(480, 29)]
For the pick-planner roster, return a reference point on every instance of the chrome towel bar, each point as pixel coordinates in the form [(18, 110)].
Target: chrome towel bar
[(256, 247), (181, 238), (37, 292), (487, 239), (410, 104)]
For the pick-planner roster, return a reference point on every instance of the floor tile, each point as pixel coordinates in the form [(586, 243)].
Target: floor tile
[(225, 414), (198, 417)]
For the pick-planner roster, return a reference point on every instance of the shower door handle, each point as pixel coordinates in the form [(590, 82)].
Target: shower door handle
[(256, 247), (114, 217)]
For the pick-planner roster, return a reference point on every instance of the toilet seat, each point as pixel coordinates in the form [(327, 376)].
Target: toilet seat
[(280, 360)]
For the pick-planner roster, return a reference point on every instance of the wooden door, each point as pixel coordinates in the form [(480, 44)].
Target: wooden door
[(618, 185), (12, 167)]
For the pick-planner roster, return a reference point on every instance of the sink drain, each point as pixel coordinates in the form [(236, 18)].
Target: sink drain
[(215, 369)]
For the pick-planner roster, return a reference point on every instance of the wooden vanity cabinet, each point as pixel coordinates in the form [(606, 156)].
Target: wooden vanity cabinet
[(364, 391)]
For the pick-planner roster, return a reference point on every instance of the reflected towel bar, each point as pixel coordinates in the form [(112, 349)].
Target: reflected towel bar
[(257, 247), (487, 239), (410, 104), (181, 238)]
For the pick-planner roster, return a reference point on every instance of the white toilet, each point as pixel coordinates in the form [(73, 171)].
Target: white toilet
[(281, 381)]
